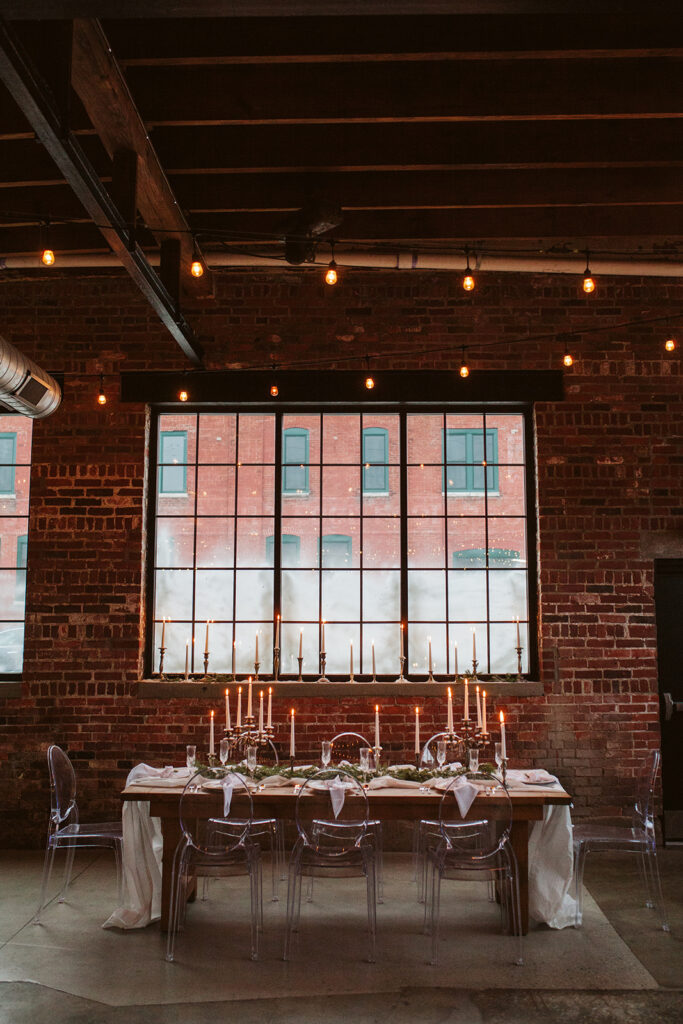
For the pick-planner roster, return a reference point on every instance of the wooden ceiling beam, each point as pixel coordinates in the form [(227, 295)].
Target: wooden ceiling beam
[(455, 36), (99, 83), (432, 189), (38, 107), (280, 149), (376, 93)]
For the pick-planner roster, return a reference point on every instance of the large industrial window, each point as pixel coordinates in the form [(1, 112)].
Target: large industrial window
[(364, 519), (15, 467)]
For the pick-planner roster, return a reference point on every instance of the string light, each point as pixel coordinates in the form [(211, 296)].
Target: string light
[(275, 391), (468, 281), (568, 358), (196, 269), (588, 279), (183, 395), (369, 383), (102, 398), (47, 256), (670, 344), (464, 368), (331, 275)]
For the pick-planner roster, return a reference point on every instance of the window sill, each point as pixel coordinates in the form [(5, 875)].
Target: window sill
[(215, 690), (10, 688)]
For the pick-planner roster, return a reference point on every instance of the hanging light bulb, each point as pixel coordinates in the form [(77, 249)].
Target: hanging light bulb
[(468, 281), (196, 269), (670, 344), (369, 383), (568, 358), (464, 368), (102, 398), (274, 390), (331, 275), (47, 256), (588, 279), (183, 395)]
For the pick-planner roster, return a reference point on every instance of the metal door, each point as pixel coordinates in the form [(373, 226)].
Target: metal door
[(669, 616)]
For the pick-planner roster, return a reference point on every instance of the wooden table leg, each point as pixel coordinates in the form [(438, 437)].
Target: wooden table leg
[(519, 840)]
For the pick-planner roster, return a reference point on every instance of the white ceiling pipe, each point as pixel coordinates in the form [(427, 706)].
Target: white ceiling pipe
[(403, 260)]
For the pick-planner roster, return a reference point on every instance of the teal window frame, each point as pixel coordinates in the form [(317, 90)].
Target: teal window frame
[(470, 466), (173, 467), (8, 469), (289, 543), (372, 466), (295, 471), (338, 539)]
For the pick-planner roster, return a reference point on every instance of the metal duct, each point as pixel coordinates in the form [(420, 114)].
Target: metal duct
[(24, 387)]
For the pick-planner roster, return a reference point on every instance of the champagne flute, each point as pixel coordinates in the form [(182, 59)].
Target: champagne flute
[(251, 760), (224, 750), (364, 755), (474, 760), (190, 756), (498, 755), (441, 753), (326, 753)]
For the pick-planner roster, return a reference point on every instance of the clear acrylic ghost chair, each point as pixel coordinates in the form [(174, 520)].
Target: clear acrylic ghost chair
[(639, 839), (224, 849), (476, 850), (65, 829), (269, 835), (327, 843), (429, 829), (348, 745)]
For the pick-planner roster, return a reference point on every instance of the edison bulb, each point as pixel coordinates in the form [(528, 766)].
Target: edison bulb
[(196, 269), (468, 283), (48, 257), (464, 370), (670, 344), (369, 383), (331, 277), (183, 396), (588, 284), (102, 398), (275, 391), (568, 359)]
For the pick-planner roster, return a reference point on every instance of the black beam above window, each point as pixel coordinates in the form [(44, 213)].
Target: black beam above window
[(342, 387)]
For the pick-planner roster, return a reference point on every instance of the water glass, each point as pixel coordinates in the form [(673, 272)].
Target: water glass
[(498, 754), (474, 760), (441, 747), (326, 754), (224, 750), (251, 759), (190, 756), (364, 755)]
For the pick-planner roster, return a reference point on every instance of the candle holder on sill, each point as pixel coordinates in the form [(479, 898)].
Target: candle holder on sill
[(206, 664), (301, 664), (519, 663), (257, 666), (402, 665), (323, 678), (430, 677), (276, 663), (162, 652), (475, 663)]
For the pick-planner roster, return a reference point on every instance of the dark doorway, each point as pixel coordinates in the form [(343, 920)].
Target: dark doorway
[(669, 617)]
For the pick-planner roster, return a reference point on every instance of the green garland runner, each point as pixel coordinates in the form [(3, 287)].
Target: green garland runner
[(405, 774)]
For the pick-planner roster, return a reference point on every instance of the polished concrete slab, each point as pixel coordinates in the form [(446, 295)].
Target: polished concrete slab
[(71, 970)]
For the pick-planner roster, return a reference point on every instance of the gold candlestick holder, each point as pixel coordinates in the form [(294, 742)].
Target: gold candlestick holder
[(257, 666), (519, 663), (162, 652), (206, 664), (301, 663), (276, 663), (475, 663), (401, 667), (323, 659)]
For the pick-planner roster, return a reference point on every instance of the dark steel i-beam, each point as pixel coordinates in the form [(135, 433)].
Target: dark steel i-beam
[(24, 84)]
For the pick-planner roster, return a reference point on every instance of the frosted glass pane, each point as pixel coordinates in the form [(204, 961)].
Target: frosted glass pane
[(213, 598), (418, 640), (173, 594), (341, 595), (254, 595), (381, 596), (508, 594), (300, 598), (467, 595), (426, 596)]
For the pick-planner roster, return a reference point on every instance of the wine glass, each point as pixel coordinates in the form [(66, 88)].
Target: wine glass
[(441, 748), (474, 759), (498, 754), (190, 756), (224, 750), (251, 759), (364, 754), (326, 754)]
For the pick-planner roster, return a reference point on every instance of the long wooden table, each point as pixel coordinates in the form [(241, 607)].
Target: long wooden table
[(386, 804)]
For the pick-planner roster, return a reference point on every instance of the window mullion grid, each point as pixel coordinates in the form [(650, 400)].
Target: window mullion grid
[(235, 507), (403, 523), (445, 543), (321, 425), (194, 532), (277, 527), (486, 544)]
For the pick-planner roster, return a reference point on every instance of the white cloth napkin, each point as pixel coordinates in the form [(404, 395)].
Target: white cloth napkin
[(389, 782), (337, 795), (536, 776), (144, 775), (465, 793), (227, 795)]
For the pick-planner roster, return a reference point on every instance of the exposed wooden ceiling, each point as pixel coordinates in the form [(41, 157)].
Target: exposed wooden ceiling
[(518, 128)]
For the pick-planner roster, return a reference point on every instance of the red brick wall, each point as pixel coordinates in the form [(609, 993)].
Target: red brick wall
[(609, 497)]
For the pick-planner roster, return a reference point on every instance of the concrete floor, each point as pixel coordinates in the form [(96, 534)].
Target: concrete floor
[(618, 967)]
